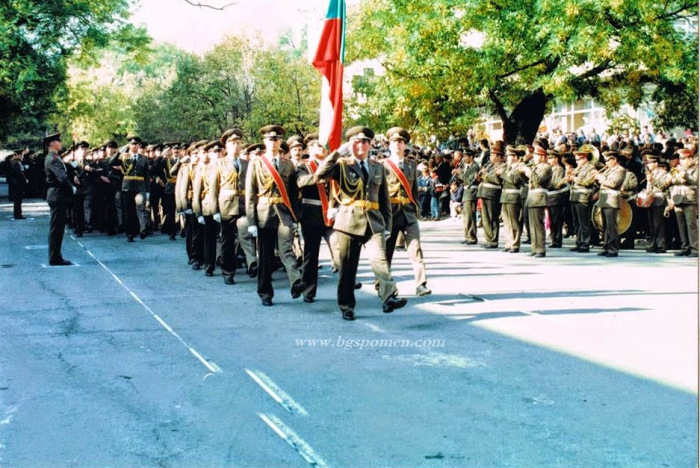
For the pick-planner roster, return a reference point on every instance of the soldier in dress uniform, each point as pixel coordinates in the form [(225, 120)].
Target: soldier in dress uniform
[(204, 206), (271, 199), (110, 185), (511, 200), (314, 213), (135, 168), (402, 183), (539, 176), (684, 200), (658, 181), (164, 178), (582, 181), (296, 148), (609, 198), (466, 173), (557, 198), (58, 197), (185, 170), (489, 192), (363, 218), (17, 182)]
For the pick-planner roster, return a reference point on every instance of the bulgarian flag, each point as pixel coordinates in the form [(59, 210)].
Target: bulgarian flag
[(329, 62)]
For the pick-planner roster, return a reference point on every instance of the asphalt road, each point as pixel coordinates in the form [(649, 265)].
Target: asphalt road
[(132, 359)]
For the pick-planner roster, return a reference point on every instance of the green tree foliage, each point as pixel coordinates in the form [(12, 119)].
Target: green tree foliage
[(446, 61), (38, 37)]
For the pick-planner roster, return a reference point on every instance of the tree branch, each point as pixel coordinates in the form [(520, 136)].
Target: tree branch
[(499, 106), (595, 70), (203, 5), (519, 69), (617, 24)]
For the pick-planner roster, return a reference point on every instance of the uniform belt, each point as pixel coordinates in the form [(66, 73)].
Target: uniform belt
[(610, 191), (272, 200), (233, 191), (365, 204), (584, 190), (512, 190), (172, 180), (538, 190), (133, 177), (400, 200), (660, 195), (311, 201), (489, 185), (561, 190)]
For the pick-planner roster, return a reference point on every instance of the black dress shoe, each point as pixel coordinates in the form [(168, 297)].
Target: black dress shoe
[(604, 253), (660, 250), (20, 217), (196, 266), (358, 286), (540, 255), (253, 270), (575, 249), (78, 234), (611, 255), (393, 303), (555, 246), (682, 253), (172, 237), (514, 251), (584, 249), (471, 242), (348, 315), (61, 262), (130, 239), (143, 234), (490, 246), (190, 261), (693, 255), (297, 288), (229, 280), (527, 241), (267, 301), (652, 250), (209, 273), (309, 299)]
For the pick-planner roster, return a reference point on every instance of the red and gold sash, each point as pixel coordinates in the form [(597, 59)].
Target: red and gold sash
[(322, 196), (280, 184), (402, 178)]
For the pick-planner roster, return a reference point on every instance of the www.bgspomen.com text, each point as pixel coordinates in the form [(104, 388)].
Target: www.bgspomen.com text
[(354, 343)]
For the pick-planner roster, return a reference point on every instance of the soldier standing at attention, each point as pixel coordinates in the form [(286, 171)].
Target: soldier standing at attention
[(489, 192), (684, 200), (467, 173), (511, 200), (402, 183), (363, 218), (582, 181), (271, 192), (557, 198), (18, 183), (539, 176), (58, 196)]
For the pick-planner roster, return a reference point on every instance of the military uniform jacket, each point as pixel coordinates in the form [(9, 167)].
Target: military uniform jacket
[(659, 182), (227, 188), (202, 202), (136, 172), (17, 177), (512, 183), (468, 178), (490, 186), (401, 205), (310, 211), (610, 195), (584, 184), (162, 171), (183, 186), (684, 188), (263, 201), (540, 177), (630, 186), (359, 205), (59, 187), (558, 188)]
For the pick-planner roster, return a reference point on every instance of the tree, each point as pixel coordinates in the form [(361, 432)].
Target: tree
[(447, 60), (37, 37)]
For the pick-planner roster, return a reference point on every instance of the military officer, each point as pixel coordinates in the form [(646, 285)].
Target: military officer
[(185, 170), (203, 204), (582, 181), (271, 198), (170, 158), (539, 176), (610, 181), (557, 198), (511, 200), (18, 183), (684, 200), (489, 192), (402, 183), (467, 173), (135, 168), (363, 218), (58, 197)]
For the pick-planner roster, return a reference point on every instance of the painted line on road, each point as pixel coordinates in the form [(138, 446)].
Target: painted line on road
[(294, 441), (373, 327), (277, 394), (212, 366)]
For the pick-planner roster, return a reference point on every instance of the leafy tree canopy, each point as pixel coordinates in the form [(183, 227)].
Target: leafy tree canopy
[(446, 61)]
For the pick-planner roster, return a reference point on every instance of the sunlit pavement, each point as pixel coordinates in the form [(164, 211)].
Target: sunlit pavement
[(131, 358)]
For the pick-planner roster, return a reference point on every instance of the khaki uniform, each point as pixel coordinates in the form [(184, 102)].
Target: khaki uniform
[(489, 192), (540, 176), (203, 205), (660, 181), (582, 192), (684, 195), (469, 200), (609, 202), (557, 202), (512, 205)]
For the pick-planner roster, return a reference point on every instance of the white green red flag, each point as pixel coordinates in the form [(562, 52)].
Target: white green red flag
[(329, 62)]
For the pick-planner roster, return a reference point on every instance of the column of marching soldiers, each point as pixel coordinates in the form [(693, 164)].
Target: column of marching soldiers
[(269, 205)]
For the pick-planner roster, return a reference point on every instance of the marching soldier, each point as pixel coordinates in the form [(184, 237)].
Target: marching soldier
[(557, 198), (511, 200), (110, 183), (271, 191), (363, 218), (58, 196), (539, 177), (582, 181), (185, 170), (135, 168), (314, 214), (610, 182), (168, 181), (489, 192), (203, 203), (467, 173), (402, 183), (658, 181), (684, 200)]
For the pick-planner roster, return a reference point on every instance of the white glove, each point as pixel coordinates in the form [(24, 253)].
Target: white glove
[(387, 234), (331, 213), (148, 196), (295, 225), (253, 231), (200, 220), (217, 217), (189, 211), (185, 160), (75, 189)]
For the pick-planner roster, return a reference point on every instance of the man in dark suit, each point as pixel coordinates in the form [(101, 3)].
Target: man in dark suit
[(363, 218), (58, 196), (271, 199), (17, 182)]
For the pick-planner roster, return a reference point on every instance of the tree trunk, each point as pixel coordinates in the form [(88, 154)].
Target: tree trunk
[(520, 128)]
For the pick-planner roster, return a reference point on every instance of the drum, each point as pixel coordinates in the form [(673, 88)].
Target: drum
[(624, 217), (644, 198)]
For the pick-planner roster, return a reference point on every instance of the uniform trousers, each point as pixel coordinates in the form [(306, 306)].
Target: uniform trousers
[(657, 227), (313, 233), (490, 211), (687, 217), (349, 247), (229, 235), (57, 226), (135, 212), (469, 219), (512, 221), (538, 235), (583, 224), (556, 221), (284, 236), (611, 239), (169, 225), (194, 239), (411, 233), (210, 230)]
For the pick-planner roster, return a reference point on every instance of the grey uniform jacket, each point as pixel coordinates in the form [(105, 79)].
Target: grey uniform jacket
[(558, 188), (540, 177), (610, 195), (59, 187), (468, 178)]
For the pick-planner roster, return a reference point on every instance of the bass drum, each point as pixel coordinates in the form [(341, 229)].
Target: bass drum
[(624, 217)]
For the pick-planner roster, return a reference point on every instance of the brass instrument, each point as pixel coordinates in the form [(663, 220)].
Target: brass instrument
[(595, 152), (624, 217)]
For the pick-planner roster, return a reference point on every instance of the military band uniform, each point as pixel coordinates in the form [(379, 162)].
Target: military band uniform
[(489, 192), (539, 177), (184, 188), (58, 196), (609, 202), (557, 202), (169, 222), (18, 184), (135, 168), (658, 182), (204, 208), (684, 196), (469, 200), (582, 189)]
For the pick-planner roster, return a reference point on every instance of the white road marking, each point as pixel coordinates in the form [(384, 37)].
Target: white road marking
[(294, 441), (373, 327), (277, 394), (212, 366), (72, 265), (36, 247)]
